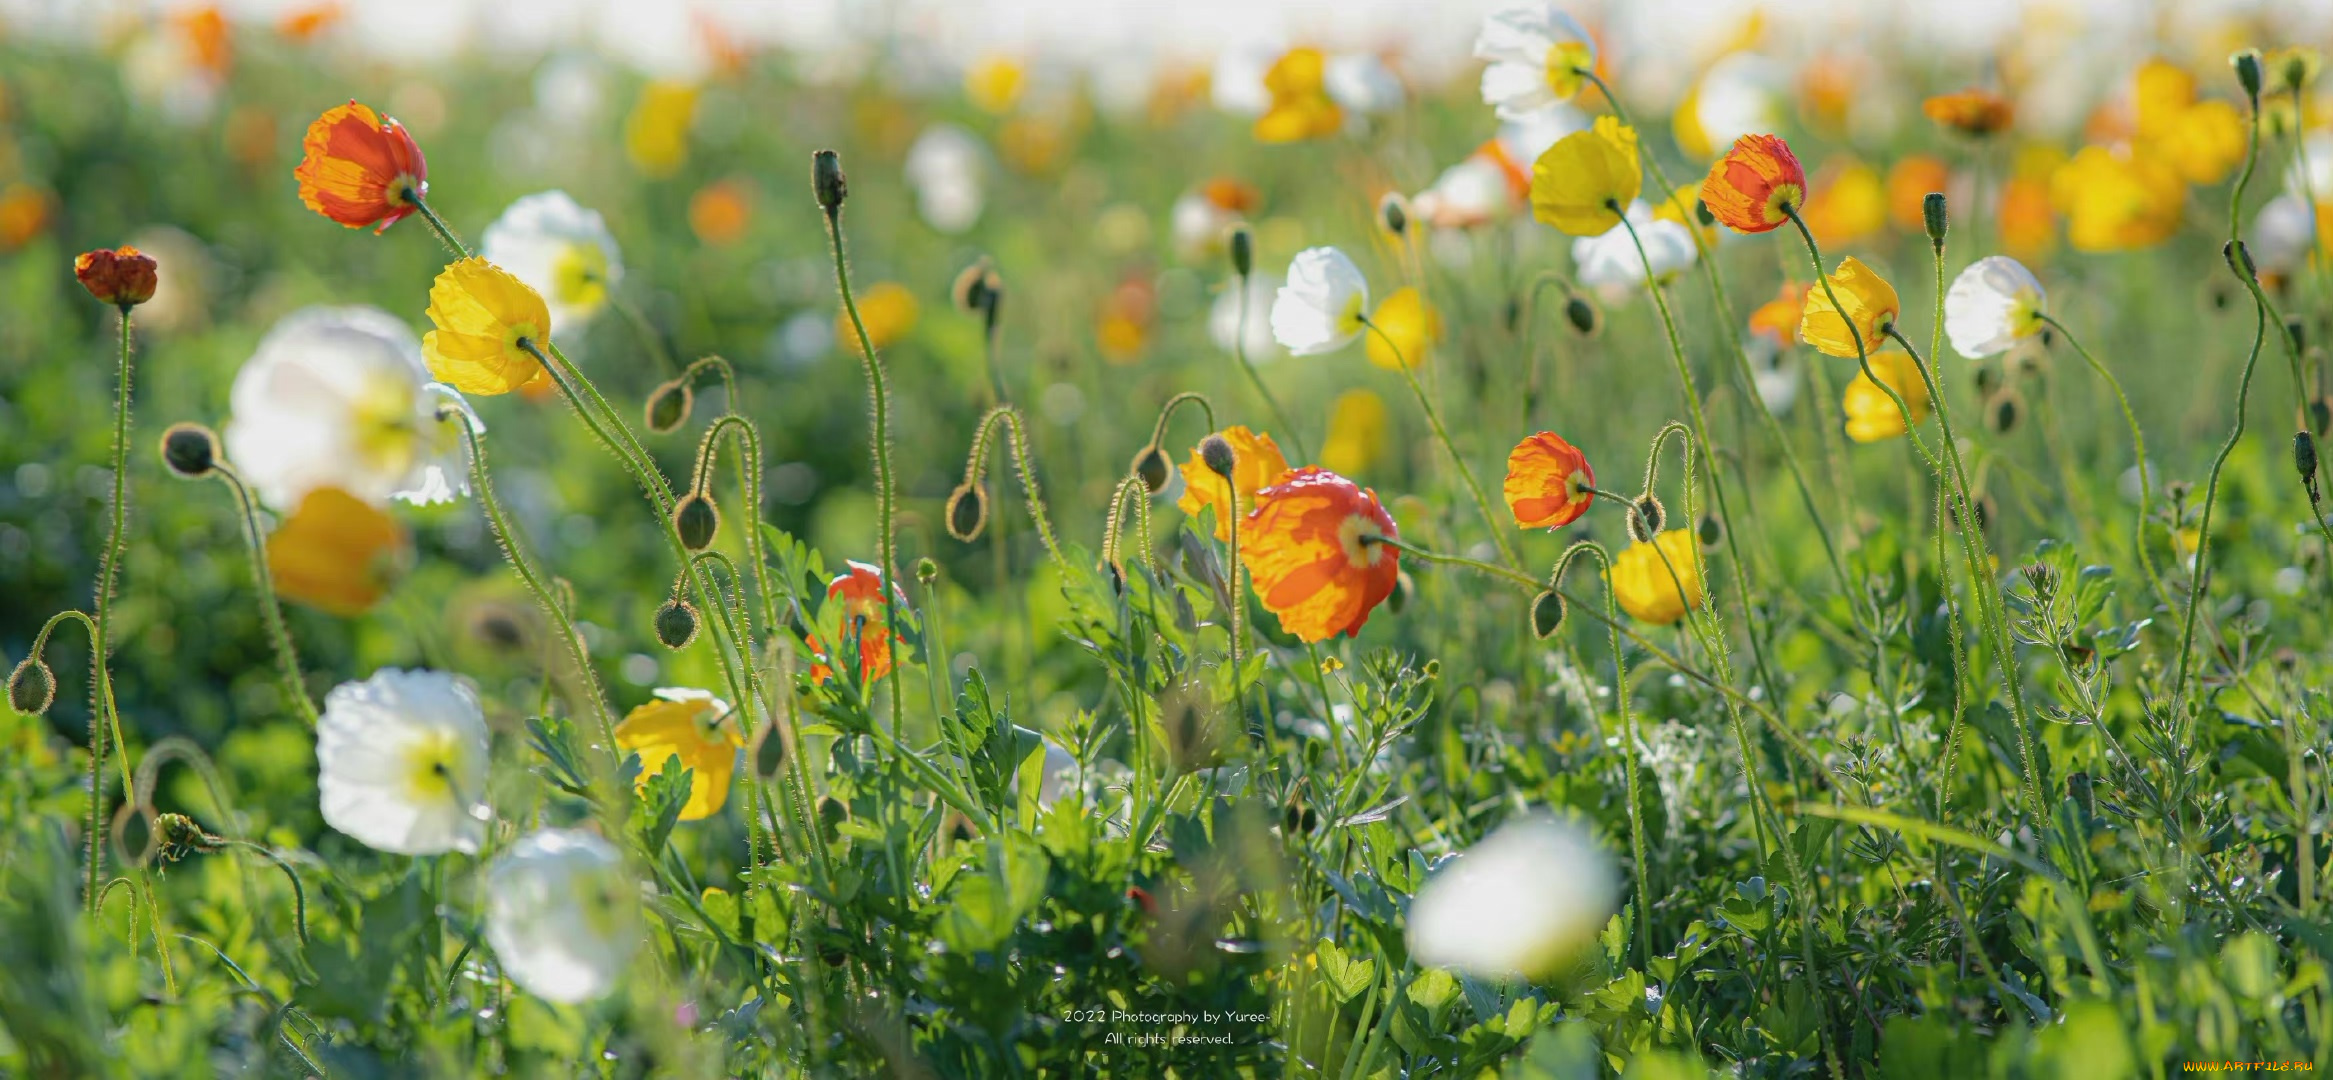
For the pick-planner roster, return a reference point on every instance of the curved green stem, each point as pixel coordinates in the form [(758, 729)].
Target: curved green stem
[(2138, 446), (1490, 518), (287, 658), (101, 683), (1239, 346), (2200, 579), (878, 391), (436, 225)]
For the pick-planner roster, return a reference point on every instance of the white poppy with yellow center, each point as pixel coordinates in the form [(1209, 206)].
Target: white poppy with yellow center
[(561, 249), (401, 763), (1321, 307), (1538, 56), (1992, 305), (562, 915)]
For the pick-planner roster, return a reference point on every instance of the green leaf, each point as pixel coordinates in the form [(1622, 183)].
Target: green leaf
[(1349, 976)]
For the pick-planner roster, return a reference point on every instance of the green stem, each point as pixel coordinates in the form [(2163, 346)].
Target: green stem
[(287, 658), (436, 225), (2200, 579), (1490, 518), (1239, 346), (101, 683), (2138, 446)]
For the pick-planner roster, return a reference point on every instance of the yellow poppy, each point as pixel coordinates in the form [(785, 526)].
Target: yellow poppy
[(695, 727), (1301, 107), (1356, 433), (2202, 141), (1849, 203), (1586, 180), (1256, 463), (1406, 317), (1872, 416), (1867, 303), (336, 553), (1658, 582), (994, 84), (656, 135), (2117, 201), (483, 314)]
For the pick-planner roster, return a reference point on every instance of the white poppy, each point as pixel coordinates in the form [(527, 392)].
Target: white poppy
[(401, 762), (1739, 95), (2284, 232), (1523, 139), (945, 168), (1534, 50), (1473, 192), (561, 249), (1362, 83), (1059, 775), (562, 915), (1517, 904), (1321, 308), (340, 397), (1223, 320), (2317, 179), (1202, 217), (1773, 372), (1992, 305), (1611, 259), (1236, 84)]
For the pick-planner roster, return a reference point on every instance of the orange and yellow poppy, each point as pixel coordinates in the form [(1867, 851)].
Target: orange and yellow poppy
[(1756, 185), (1312, 551), (359, 168), (1971, 112), (1548, 482), (863, 622), (1256, 463)]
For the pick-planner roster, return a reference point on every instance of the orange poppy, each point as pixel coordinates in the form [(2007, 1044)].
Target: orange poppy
[(122, 276), (359, 168), (336, 553), (1908, 183), (863, 621), (1971, 112), (1755, 185), (1777, 319), (1548, 481), (1256, 462), (1312, 554)]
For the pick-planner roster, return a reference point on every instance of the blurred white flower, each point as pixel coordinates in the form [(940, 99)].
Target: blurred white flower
[(1321, 307), (1739, 95), (1473, 192), (944, 168), (560, 249), (1362, 83), (1774, 372), (571, 89), (1237, 82), (1203, 216), (1516, 904), (1059, 777), (2315, 181), (1611, 259), (401, 762), (1535, 53), (1992, 305), (2284, 232), (1523, 139), (1223, 320), (562, 915), (340, 397)]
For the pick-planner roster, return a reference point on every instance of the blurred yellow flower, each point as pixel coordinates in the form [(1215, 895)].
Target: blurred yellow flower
[(336, 553), (483, 314), (2202, 140), (1256, 463), (721, 212), (888, 309), (1867, 304), (656, 135), (2116, 201), (1849, 203), (1909, 181), (1301, 107), (1872, 415), (1680, 207), (1122, 329), (1356, 433), (24, 212), (1660, 581), (1411, 322), (994, 84), (696, 728), (1586, 180)]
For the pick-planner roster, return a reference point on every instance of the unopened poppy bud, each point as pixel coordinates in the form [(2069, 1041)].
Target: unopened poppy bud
[(826, 179), (971, 288), (1403, 588), (1151, 467), (1582, 314), (123, 276), (32, 687), (2299, 332), (1548, 611), (831, 814), (1934, 216), (2320, 414), (967, 512), (2002, 412), (2247, 65), (926, 571), (676, 624), (190, 450), (697, 520), (1297, 818), (1393, 212), (1988, 378), (2304, 460), (1216, 452), (2239, 259), (1645, 518), (1710, 531), (1243, 250), (769, 753), (669, 406)]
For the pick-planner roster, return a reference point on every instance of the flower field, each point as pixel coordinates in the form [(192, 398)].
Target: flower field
[(1585, 558)]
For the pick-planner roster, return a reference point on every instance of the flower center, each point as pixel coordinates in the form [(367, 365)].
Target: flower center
[(429, 768), (579, 277), (381, 422), (1349, 320), (1565, 62), (1353, 536), (1780, 201)]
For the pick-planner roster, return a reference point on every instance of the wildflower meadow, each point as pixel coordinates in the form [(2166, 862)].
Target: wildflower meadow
[(1629, 549)]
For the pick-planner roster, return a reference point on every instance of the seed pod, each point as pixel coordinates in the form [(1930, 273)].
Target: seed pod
[(1151, 466), (967, 512), (1393, 212), (32, 687), (1934, 216), (1645, 518), (2247, 65), (669, 406), (971, 288), (697, 520), (1548, 611), (190, 450), (1710, 531), (2003, 411), (676, 624), (1218, 455), (1243, 250), (1583, 316), (827, 181), (926, 571)]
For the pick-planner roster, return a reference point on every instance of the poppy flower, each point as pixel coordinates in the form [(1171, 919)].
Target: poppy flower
[(1642, 578), (693, 726), (1411, 322), (863, 621), (1547, 482), (401, 763), (1872, 415), (1256, 462), (336, 553), (1992, 305), (1848, 203), (359, 168), (1970, 112), (1356, 432), (1319, 310), (947, 167), (561, 250), (122, 276), (1909, 181), (889, 311), (1755, 185), (2027, 225), (1521, 903), (1777, 319), (485, 318), (1581, 184), (1310, 551), (1612, 259), (1867, 304), (994, 84), (1301, 107), (1537, 58), (2117, 200), (2201, 140), (562, 915), (656, 134)]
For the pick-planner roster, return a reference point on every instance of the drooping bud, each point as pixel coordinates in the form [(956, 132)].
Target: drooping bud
[(1403, 588), (676, 624), (2003, 411), (669, 406), (769, 752), (967, 512), (2247, 65), (1548, 611), (831, 814), (1393, 212), (1645, 517), (2304, 460), (1150, 465), (32, 687), (1243, 250), (1710, 531), (189, 450), (697, 520), (971, 288), (2239, 259), (123, 276), (1582, 314), (2298, 331), (826, 180), (1933, 215), (1216, 452)]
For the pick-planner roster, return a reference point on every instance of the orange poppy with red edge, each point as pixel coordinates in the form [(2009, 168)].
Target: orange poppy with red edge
[(863, 621), (1547, 482), (359, 168), (1311, 547), (1755, 185)]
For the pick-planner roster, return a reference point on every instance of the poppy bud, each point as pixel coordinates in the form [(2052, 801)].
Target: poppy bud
[(1393, 212), (2002, 412), (831, 814), (1548, 610), (769, 752), (1645, 518), (697, 520), (1296, 818), (1932, 214), (1151, 466), (971, 288), (826, 180), (2247, 65), (1217, 454), (1403, 589), (967, 513), (1243, 250), (1988, 378), (190, 450), (1581, 314), (2320, 414), (123, 276), (2299, 332), (926, 571), (2304, 460), (32, 687), (1711, 530), (676, 624), (2239, 259), (669, 406)]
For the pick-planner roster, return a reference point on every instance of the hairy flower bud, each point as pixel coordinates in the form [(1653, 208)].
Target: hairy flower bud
[(1710, 531), (1218, 455), (1645, 517), (124, 276), (1548, 610), (826, 180), (967, 512), (190, 450), (676, 624), (1151, 466), (697, 520), (669, 406), (32, 687), (1243, 250), (1933, 215), (1582, 314), (1393, 212)]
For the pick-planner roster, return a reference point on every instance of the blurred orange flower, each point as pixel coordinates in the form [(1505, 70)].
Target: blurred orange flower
[(304, 24), (1752, 188), (336, 553), (205, 30), (1777, 319), (888, 309), (1123, 328), (1301, 108), (720, 212), (359, 169), (24, 212), (1971, 112), (1849, 203), (1547, 482), (1909, 181), (864, 622), (1312, 554), (2028, 228), (1256, 463)]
